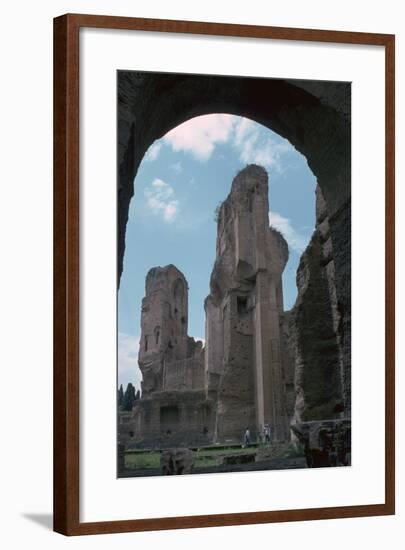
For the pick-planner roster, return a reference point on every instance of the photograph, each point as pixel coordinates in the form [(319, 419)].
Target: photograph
[(201, 313), (233, 274)]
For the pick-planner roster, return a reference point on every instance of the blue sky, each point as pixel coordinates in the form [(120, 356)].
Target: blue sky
[(180, 182)]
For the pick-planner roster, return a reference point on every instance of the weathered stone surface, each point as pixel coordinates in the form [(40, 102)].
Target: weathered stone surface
[(317, 375), (260, 366), (168, 358), (176, 462), (174, 409), (288, 364), (193, 395), (121, 457), (315, 330), (326, 443), (244, 361), (340, 227), (313, 116), (125, 427), (174, 419)]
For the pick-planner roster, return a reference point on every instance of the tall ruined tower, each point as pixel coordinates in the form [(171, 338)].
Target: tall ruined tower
[(163, 325), (174, 410), (243, 356)]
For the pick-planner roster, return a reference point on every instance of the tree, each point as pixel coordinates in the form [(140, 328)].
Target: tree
[(217, 212), (138, 395), (120, 396), (129, 398)]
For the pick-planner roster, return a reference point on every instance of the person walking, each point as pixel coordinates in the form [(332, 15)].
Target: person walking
[(247, 437)]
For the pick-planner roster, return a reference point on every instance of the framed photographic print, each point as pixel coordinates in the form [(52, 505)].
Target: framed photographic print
[(223, 274)]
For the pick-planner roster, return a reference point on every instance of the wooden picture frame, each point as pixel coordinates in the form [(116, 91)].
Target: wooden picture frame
[(67, 283)]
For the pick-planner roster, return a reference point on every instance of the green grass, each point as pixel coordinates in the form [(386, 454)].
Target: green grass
[(206, 461), (226, 451), (295, 451), (140, 461), (205, 458)]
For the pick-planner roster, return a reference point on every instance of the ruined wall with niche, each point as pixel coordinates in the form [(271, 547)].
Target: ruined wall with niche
[(182, 418)]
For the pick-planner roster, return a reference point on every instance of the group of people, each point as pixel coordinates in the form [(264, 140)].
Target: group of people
[(264, 436)]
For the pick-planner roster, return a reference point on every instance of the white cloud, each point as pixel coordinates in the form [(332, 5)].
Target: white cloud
[(243, 128), (153, 152), (200, 135), (296, 241), (160, 198), (256, 146), (252, 142), (128, 370)]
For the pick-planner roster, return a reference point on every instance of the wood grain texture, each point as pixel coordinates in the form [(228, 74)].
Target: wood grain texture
[(66, 273), (390, 274), (66, 276)]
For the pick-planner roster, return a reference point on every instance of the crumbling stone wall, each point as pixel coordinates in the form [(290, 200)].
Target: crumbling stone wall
[(182, 418), (260, 365), (243, 339), (315, 329), (186, 373), (288, 364), (125, 427), (173, 409), (241, 370), (167, 355), (313, 116)]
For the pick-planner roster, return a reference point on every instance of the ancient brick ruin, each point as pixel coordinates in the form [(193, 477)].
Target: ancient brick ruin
[(256, 369), (174, 409), (305, 359), (244, 362)]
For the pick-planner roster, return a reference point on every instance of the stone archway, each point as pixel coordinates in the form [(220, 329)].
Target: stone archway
[(313, 116)]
